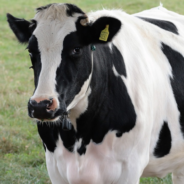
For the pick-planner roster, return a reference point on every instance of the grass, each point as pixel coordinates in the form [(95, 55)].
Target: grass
[(22, 159)]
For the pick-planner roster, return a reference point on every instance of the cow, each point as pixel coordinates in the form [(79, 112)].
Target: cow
[(109, 92)]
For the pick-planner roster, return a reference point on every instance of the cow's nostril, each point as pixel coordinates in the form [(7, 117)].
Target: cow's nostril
[(52, 105), (49, 105)]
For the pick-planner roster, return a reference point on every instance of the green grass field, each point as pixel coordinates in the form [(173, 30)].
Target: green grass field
[(22, 159)]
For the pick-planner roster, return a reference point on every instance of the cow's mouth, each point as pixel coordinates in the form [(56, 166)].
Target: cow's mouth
[(61, 119)]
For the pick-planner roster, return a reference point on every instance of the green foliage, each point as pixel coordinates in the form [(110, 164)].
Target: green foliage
[(22, 159)]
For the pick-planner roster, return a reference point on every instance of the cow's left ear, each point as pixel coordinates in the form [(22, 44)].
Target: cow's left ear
[(22, 29), (101, 31)]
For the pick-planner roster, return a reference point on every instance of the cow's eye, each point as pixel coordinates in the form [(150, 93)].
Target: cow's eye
[(76, 51)]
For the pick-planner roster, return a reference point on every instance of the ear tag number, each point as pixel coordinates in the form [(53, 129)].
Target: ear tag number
[(104, 34)]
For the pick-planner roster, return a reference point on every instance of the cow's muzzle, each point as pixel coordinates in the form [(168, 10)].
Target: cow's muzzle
[(42, 109), (46, 110)]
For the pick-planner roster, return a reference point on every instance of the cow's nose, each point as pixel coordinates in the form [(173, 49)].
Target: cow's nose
[(42, 108)]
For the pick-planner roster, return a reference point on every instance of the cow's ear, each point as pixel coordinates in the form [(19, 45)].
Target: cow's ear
[(102, 30), (22, 29)]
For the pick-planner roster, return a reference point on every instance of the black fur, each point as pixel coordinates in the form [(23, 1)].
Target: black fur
[(166, 25), (23, 29), (49, 135), (35, 58), (164, 142), (176, 61), (71, 9)]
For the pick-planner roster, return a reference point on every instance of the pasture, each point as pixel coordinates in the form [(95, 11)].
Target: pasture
[(22, 159)]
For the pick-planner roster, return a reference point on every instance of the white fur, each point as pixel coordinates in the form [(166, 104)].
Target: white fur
[(125, 159)]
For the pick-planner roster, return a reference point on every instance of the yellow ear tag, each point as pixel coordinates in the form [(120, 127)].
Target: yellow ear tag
[(104, 34)]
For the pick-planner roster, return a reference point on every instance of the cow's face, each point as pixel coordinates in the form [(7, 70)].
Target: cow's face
[(61, 68), (59, 43)]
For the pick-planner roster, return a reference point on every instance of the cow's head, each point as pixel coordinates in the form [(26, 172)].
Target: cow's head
[(59, 43)]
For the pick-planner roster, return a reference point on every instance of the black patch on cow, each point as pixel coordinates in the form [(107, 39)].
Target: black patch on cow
[(33, 45), (44, 7), (50, 133), (164, 142), (68, 75), (166, 25), (110, 107), (71, 9), (22, 29), (176, 61), (35, 58)]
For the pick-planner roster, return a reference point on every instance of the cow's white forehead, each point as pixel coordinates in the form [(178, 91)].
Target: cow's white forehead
[(54, 11), (53, 24)]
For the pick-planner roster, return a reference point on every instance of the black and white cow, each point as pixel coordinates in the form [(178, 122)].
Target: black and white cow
[(115, 113)]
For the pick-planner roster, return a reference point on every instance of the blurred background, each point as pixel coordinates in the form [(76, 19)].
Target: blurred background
[(22, 159)]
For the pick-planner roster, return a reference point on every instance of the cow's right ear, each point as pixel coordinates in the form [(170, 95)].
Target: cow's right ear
[(22, 29)]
